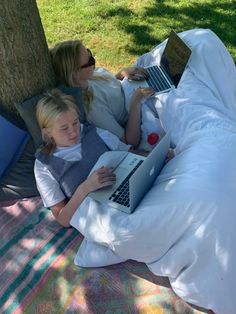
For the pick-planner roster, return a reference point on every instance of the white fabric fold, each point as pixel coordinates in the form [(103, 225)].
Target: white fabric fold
[(184, 227)]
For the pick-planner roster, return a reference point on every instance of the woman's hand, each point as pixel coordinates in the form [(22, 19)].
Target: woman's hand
[(142, 93), (100, 178), (132, 73), (63, 211)]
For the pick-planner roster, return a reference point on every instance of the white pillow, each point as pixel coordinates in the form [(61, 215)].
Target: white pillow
[(187, 190), (184, 227), (91, 254), (179, 228)]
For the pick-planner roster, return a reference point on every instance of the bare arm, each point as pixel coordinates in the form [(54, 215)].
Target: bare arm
[(133, 127), (64, 211), (132, 73), (132, 131)]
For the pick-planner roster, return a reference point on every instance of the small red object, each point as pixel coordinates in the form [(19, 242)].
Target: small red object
[(153, 138)]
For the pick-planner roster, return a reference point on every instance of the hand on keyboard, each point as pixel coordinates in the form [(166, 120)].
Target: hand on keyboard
[(142, 93), (134, 73), (100, 178)]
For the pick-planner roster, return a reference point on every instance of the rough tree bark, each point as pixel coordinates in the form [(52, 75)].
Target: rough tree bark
[(25, 66)]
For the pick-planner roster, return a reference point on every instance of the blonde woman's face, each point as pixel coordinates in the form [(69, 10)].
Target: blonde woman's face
[(65, 129), (87, 67)]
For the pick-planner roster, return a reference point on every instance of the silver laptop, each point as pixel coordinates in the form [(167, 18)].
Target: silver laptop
[(135, 175), (167, 75)]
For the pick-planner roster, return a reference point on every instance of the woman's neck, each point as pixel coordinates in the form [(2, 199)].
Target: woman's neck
[(81, 83)]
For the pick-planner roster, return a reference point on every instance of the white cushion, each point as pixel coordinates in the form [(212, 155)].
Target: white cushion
[(184, 227), (91, 254)]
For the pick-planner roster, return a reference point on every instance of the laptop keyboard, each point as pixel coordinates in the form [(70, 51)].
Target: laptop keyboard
[(121, 194), (157, 79)]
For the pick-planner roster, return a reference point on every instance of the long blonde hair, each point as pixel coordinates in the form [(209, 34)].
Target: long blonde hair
[(48, 109), (66, 62)]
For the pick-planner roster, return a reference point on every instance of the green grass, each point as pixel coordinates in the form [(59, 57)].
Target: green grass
[(118, 31)]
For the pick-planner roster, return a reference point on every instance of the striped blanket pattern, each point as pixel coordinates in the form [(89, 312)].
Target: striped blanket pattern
[(37, 273)]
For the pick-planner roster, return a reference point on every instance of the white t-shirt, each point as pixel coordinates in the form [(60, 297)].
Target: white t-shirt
[(48, 187)]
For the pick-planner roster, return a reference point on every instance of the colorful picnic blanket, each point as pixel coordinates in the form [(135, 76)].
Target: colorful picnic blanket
[(38, 274)]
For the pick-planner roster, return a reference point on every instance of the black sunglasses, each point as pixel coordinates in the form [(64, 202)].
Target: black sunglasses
[(90, 62)]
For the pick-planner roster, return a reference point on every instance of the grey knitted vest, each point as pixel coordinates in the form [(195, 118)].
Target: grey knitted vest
[(70, 174)]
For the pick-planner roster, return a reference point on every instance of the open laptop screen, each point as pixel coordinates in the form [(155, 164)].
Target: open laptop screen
[(175, 57)]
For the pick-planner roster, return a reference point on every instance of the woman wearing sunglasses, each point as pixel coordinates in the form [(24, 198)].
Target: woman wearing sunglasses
[(104, 99)]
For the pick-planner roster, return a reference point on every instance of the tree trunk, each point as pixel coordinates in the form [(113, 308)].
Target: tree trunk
[(25, 65)]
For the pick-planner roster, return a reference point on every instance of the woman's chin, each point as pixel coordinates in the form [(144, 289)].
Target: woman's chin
[(73, 141)]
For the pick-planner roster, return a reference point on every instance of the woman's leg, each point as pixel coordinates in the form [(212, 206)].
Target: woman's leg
[(207, 91), (212, 64)]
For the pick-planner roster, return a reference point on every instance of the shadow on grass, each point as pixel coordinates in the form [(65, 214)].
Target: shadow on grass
[(156, 21), (219, 17)]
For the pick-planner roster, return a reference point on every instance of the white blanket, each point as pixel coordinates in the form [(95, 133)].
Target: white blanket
[(184, 228)]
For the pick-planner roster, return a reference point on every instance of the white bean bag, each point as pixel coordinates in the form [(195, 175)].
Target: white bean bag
[(184, 227)]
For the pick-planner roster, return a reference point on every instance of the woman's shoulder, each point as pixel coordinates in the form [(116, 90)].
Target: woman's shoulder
[(100, 72)]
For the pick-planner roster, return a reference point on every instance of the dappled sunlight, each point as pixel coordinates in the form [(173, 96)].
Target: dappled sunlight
[(132, 28), (19, 211), (188, 14), (207, 233), (152, 298), (38, 265), (10, 299), (142, 287), (77, 300), (93, 216), (223, 256), (170, 184), (200, 233), (121, 291), (32, 243)]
